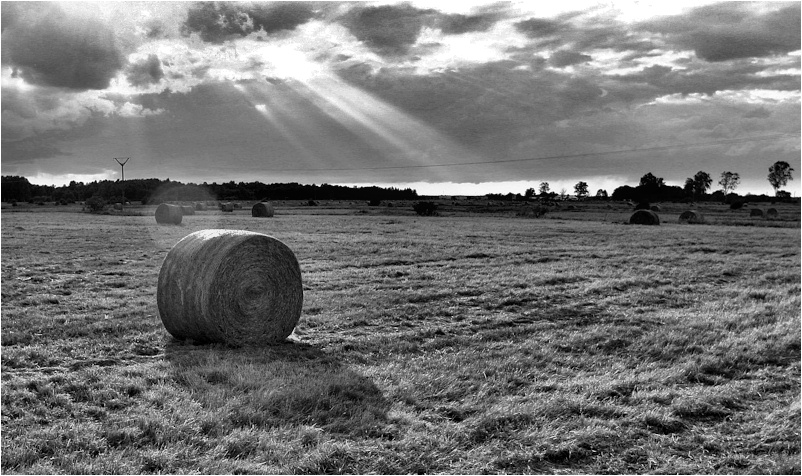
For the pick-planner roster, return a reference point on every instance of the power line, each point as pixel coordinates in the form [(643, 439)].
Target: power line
[(551, 157)]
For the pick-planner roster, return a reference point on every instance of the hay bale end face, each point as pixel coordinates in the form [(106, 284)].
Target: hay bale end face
[(167, 214), (187, 209), (772, 213), (262, 209), (230, 286), (756, 212), (691, 216), (644, 217)]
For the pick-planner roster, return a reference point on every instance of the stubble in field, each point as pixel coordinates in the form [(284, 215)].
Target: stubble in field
[(450, 344)]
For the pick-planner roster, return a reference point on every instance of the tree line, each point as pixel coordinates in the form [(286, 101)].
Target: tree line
[(19, 189), (654, 189)]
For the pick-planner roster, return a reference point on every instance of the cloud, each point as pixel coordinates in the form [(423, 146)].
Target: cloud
[(563, 58), (145, 72), (49, 48), (388, 29), (217, 22), (732, 30), (540, 27), (457, 23)]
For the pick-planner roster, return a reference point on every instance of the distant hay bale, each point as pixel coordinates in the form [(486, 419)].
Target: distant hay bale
[(772, 213), (655, 208), (262, 209), (237, 206), (167, 214), (118, 206), (643, 206), (756, 212), (691, 216), (200, 207), (227, 207), (230, 286), (187, 209), (644, 217)]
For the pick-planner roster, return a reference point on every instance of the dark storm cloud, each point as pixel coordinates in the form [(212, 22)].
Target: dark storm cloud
[(731, 30), (216, 22), (387, 29), (540, 27), (564, 58), (457, 24), (145, 72), (49, 48)]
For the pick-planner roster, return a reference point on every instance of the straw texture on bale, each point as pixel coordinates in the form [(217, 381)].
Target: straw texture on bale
[(772, 213), (691, 216), (230, 286), (167, 214), (644, 217), (187, 209), (262, 209), (227, 207), (756, 212)]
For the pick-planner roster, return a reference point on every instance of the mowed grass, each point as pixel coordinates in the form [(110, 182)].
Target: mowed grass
[(451, 344)]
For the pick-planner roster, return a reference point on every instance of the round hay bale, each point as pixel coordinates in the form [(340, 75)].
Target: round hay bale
[(237, 206), (644, 217), (230, 286), (187, 209), (200, 206), (691, 216), (227, 207), (772, 213), (262, 209), (655, 208), (118, 206), (167, 214), (756, 212)]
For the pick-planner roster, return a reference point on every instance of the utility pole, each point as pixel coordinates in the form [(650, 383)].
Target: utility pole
[(122, 168)]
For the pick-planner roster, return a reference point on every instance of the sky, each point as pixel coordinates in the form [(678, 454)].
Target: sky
[(444, 97)]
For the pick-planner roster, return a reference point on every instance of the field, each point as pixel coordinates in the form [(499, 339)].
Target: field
[(482, 340)]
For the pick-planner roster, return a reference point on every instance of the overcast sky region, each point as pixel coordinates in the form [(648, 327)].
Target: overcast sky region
[(445, 97)]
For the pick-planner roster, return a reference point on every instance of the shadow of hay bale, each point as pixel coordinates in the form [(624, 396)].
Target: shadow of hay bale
[(644, 217), (288, 383)]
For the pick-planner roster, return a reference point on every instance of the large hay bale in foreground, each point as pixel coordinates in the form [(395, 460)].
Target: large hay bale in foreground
[(691, 216), (230, 286), (644, 217), (167, 214), (756, 212), (772, 213), (187, 209), (262, 209)]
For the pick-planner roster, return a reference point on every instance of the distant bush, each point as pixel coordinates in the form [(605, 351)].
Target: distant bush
[(425, 208), (95, 204), (311, 203)]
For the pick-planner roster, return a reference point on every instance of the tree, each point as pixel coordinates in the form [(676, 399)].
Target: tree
[(544, 189), (602, 193), (729, 181), (779, 175), (650, 180), (698, 184), (581, 189), (530, 192)]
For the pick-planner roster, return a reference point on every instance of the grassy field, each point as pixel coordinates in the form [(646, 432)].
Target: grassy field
[(478, 341)]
